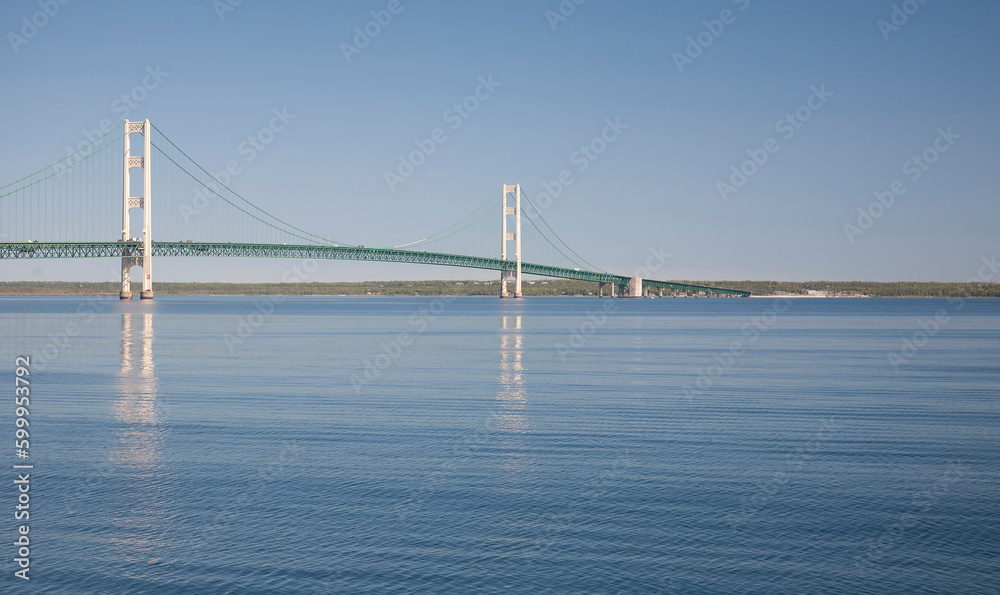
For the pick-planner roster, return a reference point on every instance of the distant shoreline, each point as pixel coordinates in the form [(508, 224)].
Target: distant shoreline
[(532, 288)]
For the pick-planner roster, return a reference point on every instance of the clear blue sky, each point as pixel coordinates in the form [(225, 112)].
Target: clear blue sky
[(656, 184)]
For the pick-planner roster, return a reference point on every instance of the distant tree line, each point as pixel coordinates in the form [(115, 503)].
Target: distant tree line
[(870, 288)]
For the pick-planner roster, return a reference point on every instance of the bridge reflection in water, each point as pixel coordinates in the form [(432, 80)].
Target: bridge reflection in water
[(141, 515), (140, 436), (510, 419)]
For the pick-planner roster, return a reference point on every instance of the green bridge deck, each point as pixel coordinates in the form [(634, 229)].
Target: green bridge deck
[(162, 249)]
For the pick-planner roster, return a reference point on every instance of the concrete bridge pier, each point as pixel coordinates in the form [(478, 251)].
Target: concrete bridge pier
[(635, 287)]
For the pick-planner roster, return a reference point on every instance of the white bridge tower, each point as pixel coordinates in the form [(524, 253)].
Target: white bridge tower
[(505, 236), (130, 202)]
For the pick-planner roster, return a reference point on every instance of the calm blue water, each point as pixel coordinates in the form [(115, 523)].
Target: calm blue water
[(544, 445)]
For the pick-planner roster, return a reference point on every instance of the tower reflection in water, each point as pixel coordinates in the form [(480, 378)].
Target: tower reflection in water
[(140, 514), (510, 420)]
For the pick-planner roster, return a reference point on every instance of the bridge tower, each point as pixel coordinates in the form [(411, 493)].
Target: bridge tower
[(137, 202), (505, 211)]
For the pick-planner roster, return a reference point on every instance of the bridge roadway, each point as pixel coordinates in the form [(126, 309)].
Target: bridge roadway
[(119, 249)]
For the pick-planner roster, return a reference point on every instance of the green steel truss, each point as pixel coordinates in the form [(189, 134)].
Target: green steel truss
[(120, 249)]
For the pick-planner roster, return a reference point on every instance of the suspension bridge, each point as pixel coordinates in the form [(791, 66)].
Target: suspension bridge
[(68, 209)]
